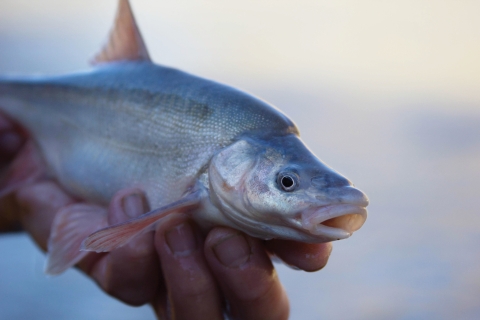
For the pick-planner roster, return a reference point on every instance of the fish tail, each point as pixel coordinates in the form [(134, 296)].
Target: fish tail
[(13, 92), (7, 84), (4, 86)]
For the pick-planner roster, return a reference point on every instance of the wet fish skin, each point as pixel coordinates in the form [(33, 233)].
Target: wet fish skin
[(134, 123), (194, 146)]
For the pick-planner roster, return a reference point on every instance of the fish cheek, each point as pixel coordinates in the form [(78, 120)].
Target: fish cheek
[(258, 195), (228, 170), (257, 186), (264, 198)]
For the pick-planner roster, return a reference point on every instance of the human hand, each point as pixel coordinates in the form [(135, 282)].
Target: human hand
[(10, 142), (181, 272)]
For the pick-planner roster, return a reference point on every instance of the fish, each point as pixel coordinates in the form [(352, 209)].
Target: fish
[(194, 146)]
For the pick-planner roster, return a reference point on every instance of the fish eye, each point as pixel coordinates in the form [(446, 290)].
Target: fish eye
[(287, 181)]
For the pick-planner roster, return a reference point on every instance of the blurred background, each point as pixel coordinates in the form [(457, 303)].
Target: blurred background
[(386, 92)]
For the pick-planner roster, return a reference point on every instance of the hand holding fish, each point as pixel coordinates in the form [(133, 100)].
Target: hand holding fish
[(131, 147), (197, 272)]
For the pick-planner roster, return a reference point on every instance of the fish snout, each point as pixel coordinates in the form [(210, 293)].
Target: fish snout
[(346, 195), (352, 195), (330, 180)]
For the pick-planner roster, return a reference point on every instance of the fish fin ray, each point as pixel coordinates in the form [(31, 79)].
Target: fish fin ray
[(125, 41), (120, 234), (71, 225)]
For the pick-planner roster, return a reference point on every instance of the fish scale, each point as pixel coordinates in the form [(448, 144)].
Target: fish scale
[(194, 146), (137, 121)]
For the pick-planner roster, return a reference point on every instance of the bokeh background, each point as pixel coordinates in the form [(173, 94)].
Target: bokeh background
[(386, 92)]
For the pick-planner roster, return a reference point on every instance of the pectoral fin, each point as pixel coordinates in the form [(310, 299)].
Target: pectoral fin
[(118, 235)]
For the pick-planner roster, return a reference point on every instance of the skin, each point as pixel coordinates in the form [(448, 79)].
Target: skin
[(179, 271)]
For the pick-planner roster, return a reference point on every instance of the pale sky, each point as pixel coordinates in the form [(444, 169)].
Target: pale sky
[(373, 48)]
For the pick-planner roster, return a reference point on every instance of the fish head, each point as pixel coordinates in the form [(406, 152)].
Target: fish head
[(279, 189)]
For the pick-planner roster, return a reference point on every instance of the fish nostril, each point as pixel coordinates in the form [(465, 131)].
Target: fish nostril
[(338, 182), (330, 181)]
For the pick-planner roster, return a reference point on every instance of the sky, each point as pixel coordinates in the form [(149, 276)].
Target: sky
[(385, 92), (379, 48)]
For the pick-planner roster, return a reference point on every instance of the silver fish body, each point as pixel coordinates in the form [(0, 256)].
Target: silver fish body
[(192, 145), (136, 124)]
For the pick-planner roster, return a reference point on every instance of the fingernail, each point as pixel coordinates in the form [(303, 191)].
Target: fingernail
[(233, 251), (133, 205), (181, 239)]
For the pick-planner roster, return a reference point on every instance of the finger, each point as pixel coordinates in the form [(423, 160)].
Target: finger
[(9, 215), (160, 302), (192, 290), (38, 204), (246, 275), (10, 138), (129, 273), (304, 256)]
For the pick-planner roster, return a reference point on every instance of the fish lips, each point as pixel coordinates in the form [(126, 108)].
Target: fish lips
[(335, 222)]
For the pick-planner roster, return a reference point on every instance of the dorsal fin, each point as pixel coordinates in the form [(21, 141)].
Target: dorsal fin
[(125, 41)]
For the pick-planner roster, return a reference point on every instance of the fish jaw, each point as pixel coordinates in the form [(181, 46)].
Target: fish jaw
[(335, 222), (336, 217)]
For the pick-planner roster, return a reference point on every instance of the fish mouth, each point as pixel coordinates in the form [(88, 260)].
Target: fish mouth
[(335, 222)]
